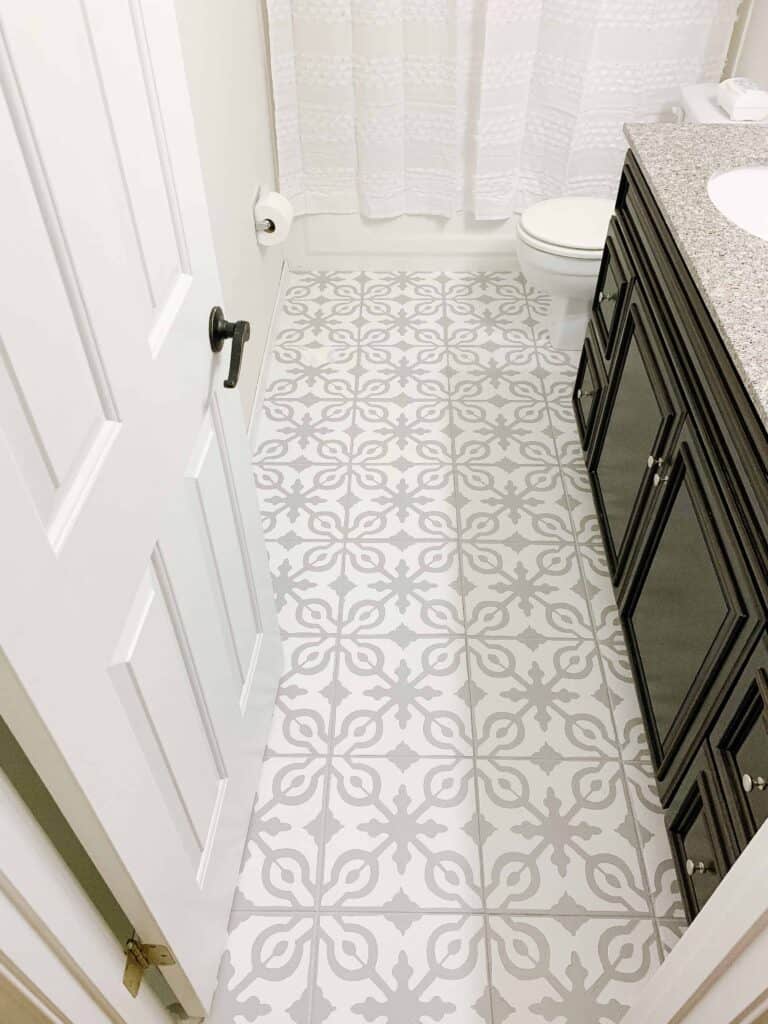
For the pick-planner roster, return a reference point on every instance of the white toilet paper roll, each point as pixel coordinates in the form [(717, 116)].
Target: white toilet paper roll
[(273, 207)]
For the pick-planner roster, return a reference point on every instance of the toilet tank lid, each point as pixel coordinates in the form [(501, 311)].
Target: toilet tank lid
[(574, 222)]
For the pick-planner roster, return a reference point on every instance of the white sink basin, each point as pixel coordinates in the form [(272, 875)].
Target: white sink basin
[(741, 195)]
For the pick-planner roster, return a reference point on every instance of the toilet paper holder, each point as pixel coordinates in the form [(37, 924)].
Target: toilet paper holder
[(272, 217)]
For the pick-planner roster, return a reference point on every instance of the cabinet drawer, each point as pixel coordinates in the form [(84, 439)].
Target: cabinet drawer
[(613, 285), (739, 744), (589, 389), (690, 612), (699, 832)]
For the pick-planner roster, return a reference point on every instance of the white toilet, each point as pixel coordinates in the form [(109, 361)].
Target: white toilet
[(560, 246), (560, 241)]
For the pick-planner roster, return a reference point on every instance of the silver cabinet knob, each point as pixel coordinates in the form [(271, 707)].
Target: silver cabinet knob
[(658, 479), (585, 394), (750, 782), (654, 461), (696, 867)]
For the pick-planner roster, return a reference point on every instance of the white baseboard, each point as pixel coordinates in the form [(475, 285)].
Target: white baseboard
[(261, 384)]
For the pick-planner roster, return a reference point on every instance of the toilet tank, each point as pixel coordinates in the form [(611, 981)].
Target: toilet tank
[(699, 104)]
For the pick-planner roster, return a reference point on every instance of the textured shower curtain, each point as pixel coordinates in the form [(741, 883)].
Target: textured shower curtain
[(433, 106)]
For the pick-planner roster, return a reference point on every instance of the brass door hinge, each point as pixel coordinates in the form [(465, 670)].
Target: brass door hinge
[(139, 958)]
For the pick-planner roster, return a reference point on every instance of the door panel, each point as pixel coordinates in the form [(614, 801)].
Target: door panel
[(127, 79), (135, 599), (691, 609), (642, 417), (157, 682), (221, 519), (56, 413)]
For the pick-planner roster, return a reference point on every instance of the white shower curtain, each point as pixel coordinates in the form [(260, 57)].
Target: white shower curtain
[(433, 106)]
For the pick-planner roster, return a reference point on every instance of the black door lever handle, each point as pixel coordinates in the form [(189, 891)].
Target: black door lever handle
[(219, 330)]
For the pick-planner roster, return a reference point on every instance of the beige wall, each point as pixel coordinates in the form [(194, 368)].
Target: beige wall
[(225, 52), (749, 52)]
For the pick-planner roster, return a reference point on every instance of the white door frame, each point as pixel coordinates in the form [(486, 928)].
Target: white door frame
[(57, 955), (718, 972)]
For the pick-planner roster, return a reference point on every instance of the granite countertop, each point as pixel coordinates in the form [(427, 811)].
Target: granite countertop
[(729, 265)]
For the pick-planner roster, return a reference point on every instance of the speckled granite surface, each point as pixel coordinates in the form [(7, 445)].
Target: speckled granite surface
[(729, 265)]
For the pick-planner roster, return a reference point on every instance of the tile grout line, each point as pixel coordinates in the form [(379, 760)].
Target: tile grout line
[(312, 981), (472, 719), (622, 767), (513, 912), (276, 755)]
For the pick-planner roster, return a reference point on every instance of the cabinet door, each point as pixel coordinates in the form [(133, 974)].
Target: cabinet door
[(613, 285), (739, 743), (699, 833), (643, 413), (690, 611)]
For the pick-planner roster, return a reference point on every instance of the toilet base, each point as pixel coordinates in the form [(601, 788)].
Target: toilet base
[(567, 323)]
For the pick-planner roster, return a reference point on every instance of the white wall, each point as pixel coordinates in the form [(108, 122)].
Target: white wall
[(750, 52), (225, 52)]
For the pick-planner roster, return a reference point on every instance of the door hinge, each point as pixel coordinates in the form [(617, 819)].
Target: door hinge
[(139, 957)]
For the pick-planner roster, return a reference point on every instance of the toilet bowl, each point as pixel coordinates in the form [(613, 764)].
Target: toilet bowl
[(560, 248)]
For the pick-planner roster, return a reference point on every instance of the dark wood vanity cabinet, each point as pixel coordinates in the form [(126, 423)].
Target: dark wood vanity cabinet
[(678, 462)]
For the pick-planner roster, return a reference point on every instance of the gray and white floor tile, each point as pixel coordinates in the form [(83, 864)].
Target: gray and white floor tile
[(574, 969), (410, 702), (545, 699), (402, 829), (402, 967), (456, 820), (557, 831), (265, 973)]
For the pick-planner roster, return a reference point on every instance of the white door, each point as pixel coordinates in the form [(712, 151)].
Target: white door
[(135, 603)]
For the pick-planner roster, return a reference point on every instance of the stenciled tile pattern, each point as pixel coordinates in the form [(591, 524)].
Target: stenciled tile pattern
[(457, 820), (559, 830), (573, 969), (399, 968)]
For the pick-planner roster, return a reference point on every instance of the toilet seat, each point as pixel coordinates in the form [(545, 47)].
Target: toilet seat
[(572, 226), (558, 250)]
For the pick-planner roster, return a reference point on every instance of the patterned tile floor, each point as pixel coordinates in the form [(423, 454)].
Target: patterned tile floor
[(457, 820)]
